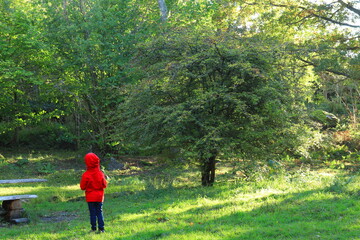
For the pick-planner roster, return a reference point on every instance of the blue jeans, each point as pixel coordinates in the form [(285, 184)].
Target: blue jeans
[(96, 212)]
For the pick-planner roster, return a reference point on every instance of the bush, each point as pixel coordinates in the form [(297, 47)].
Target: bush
[(46, 135), (45, 168), (326, 119)]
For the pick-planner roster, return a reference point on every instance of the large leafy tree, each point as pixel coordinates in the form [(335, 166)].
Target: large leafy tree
[(321, 37), (26, 97), (93, 42), (327, 34), (328, 41), (205, 95)]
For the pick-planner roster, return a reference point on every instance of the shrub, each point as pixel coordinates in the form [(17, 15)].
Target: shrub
[(326, 119), (46, 135)]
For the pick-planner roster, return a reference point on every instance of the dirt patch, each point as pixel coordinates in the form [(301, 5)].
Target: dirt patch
[(59, 217)]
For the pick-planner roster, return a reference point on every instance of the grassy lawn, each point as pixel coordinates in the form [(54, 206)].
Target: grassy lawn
[(298, 204)]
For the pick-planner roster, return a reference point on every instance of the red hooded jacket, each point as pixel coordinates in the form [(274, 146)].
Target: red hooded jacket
[(93, 180)]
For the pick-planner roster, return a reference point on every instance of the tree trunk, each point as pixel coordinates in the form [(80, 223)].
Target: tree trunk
[(163, 10), (15, 136), (208, 171)]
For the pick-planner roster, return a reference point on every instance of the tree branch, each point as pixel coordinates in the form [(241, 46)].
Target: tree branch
[(312, 13), (334, 21), (327, 70), (350, 7)]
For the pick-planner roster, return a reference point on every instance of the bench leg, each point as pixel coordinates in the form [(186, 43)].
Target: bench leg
[(13, 209), (11, 204)]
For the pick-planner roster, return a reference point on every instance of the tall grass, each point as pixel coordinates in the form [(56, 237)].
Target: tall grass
[(301, 204)]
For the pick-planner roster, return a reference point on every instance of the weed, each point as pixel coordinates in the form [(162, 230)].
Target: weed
[(45, 168), (335, 164), (22, 162)]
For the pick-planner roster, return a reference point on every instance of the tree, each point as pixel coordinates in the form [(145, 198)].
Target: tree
[(163, 10), (334, 45), (26, 95), (93, 42), (321, 36), (334, 54), (205, 95)]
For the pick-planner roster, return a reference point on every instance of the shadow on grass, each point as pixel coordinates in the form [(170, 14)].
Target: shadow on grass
[(204, 213), (317, 214)]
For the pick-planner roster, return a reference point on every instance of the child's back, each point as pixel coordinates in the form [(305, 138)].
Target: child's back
[(93, 182)]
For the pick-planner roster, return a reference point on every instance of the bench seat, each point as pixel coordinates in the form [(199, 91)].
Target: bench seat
[(16, 197), (22, 181)]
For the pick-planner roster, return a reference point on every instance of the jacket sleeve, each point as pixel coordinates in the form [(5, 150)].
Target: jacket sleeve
[(104, 182), (83, 182)]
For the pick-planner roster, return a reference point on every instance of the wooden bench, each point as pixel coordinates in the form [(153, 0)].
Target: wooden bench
[(12, 208)]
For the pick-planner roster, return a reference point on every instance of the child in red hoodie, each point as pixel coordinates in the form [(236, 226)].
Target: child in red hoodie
[(93, 182)]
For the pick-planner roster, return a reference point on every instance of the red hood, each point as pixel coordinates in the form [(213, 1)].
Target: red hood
[(92, 161)]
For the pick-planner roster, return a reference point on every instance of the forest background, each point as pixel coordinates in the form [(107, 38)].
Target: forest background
[(193, 82)]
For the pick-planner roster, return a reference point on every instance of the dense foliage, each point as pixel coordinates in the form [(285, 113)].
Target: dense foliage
[(217, 95), (199, 80)]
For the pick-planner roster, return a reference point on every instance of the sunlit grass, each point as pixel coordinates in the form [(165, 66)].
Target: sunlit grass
[(301, 204)]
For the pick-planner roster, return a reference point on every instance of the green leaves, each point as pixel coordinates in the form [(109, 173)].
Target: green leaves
[(218, 74), (204, 94)]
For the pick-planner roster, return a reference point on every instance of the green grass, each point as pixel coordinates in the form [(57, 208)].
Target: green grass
[(299, 204)]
